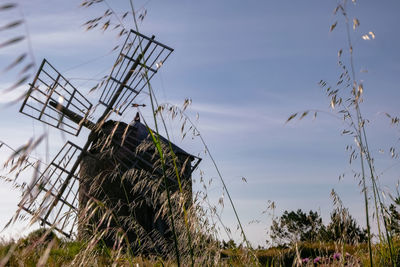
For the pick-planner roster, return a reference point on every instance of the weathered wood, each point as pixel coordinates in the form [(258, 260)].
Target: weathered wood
[(123, 173)]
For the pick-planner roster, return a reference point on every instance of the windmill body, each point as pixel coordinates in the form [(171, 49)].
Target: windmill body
[(125, 175), (118, 172)]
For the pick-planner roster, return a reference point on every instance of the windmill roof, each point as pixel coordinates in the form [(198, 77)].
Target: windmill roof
[(143, 133)]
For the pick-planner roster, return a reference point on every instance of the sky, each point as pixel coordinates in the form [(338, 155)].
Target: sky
[(247, 66)]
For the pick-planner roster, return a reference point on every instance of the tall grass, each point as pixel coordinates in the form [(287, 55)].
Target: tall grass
[(346, 98)]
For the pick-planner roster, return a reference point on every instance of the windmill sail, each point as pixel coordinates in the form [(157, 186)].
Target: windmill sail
[(138, 61), (50, 87), (41, 194)]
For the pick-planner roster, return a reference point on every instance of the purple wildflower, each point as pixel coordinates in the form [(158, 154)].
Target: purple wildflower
[(305, 260), (317, 260), (337, 256)]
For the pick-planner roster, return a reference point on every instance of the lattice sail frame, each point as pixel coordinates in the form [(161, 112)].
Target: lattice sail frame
[(48, 87), (42, 193), (150, 55)]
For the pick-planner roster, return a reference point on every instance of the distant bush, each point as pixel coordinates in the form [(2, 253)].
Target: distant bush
[(297, 226), (343, 228)]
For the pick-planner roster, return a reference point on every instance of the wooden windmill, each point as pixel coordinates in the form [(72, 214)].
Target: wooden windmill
[(115, 150)]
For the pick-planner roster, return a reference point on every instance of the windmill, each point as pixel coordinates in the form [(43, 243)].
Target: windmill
[(97, 170)]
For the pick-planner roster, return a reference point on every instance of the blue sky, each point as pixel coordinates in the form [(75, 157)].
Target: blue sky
[(247, 66)]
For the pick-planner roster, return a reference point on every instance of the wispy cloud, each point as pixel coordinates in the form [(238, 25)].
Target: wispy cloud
[(13, 95), (225, 118)]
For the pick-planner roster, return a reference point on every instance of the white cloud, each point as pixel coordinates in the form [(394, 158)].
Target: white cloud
[(223, 118), (13, 95)]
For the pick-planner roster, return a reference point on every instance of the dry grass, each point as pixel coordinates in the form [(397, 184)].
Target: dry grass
[(27, 252)]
